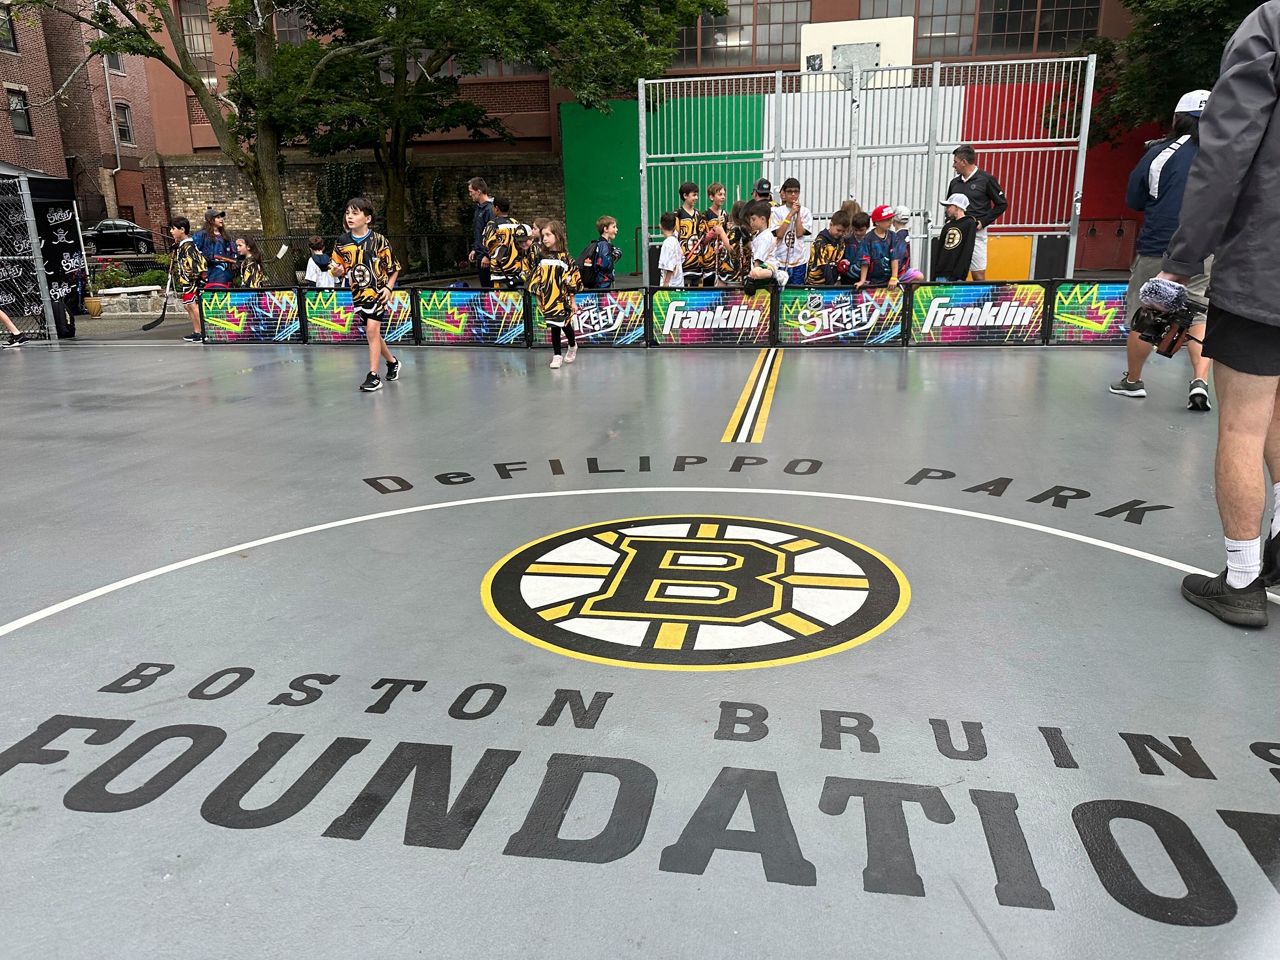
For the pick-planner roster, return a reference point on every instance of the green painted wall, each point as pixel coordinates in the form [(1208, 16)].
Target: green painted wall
[(602, 160), (601, 156), (727, 130)]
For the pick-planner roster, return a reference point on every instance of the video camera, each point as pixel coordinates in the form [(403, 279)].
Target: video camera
[(1166, 316)]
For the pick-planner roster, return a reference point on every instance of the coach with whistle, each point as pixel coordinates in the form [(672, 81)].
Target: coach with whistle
[(987, 202)]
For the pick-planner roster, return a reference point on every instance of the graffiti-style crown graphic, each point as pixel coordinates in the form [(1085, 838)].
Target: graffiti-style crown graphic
[(1081, 306)]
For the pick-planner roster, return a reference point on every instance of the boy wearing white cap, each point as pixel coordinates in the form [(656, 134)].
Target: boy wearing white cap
[(1155, 188), (953, 249)]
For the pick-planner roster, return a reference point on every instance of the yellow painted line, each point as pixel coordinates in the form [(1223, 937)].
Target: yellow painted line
[(707, 531), (556, 613), (798, 546), (671, 636), (766, 403), (569, 569), (793, 621), (815, 580), (750, 388), (608, 537)]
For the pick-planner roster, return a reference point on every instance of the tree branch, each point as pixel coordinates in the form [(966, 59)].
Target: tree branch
[(65, 83), (370, 47)]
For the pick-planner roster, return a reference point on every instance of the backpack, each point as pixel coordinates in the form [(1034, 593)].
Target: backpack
[(589, 272)]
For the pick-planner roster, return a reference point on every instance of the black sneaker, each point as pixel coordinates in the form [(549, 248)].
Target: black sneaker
[(193, 338), (393, 370), (1198, 396), (17, 339), (1125, 387), (1270, 575), (371, 383), (1241, 606)]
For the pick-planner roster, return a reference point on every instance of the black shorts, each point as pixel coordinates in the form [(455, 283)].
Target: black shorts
[(370, 311), (1243, 345)]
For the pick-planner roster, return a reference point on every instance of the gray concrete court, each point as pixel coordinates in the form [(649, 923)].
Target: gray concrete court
[(978, 720)]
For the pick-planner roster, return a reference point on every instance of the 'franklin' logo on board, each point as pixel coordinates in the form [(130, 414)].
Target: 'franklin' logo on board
[(694, 592)]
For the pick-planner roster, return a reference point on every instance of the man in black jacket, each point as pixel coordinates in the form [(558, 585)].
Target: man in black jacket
[(987, 202), (953, 249), (1229, 209), (478, 190)]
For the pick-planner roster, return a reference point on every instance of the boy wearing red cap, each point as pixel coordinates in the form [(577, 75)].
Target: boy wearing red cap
[(880, 255)]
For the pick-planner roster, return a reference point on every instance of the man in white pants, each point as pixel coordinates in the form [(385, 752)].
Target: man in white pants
[(987, 202)]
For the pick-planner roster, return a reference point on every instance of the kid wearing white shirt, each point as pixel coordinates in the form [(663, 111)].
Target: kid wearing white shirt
[(671, 256)]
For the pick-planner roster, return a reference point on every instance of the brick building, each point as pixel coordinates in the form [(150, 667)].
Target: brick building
[(753, 36), (29, 135), (107, 130)]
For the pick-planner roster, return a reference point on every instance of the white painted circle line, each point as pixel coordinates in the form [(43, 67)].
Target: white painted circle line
[(546, 494)]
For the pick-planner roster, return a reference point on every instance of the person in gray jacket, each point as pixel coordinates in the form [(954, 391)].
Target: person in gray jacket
[(1230, 209)]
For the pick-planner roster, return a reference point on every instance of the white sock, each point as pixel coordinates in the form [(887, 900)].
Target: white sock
[(1244, 561), (1275, 518)]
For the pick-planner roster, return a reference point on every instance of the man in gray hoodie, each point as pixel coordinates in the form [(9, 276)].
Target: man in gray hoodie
[(1230, 210)]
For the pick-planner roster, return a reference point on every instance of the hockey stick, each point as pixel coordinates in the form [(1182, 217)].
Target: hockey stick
[(163, 310)]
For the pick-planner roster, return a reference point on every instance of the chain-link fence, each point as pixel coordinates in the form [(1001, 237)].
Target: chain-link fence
[(20, 296)]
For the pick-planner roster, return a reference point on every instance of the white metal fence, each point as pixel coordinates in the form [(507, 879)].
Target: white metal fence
[(881, 135)]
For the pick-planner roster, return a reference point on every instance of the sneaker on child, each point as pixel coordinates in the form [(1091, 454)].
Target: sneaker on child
[(371, 383), (393, 370), (571, 354), (556, 361)]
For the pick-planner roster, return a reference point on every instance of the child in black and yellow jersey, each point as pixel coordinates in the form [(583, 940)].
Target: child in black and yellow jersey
[(366, 260), (499, 242), (186, 266), (554, 281), (827, 253)]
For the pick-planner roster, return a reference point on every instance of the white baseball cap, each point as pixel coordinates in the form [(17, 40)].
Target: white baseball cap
[(957, 200), (901, 214), (1192, 103)]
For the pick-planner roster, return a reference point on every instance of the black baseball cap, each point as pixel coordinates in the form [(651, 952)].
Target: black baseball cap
[(763, 186), (212, 212)]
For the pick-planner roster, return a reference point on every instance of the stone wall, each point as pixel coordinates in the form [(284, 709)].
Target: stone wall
[(438, 196)]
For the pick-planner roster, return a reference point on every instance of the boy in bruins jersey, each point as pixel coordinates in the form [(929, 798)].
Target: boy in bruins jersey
[(371, 269), (689, 230), (185, 267), (504, 256), (714, 222), (827, 252), (554, 282)]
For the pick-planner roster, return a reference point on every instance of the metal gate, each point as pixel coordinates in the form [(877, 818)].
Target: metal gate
[(880, 135), (24, 292)]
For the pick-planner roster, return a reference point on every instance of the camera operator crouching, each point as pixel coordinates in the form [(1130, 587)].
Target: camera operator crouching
[(1231, 208)]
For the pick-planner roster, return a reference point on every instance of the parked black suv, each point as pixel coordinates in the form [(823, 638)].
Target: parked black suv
[(118, 236)]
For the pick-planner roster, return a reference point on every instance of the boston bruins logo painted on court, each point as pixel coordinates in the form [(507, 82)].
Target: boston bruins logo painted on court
[(695, 592)]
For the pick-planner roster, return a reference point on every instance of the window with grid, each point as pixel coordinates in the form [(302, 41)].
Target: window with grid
[(1065, 24), (8, 37), (289, 29), (754, 33), (124, 123), (20, 113), (962, 28), (195, 29), (115, 62)]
